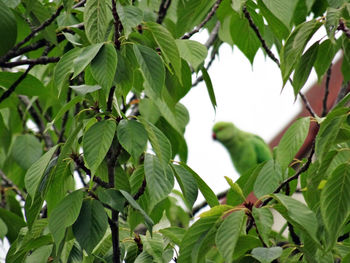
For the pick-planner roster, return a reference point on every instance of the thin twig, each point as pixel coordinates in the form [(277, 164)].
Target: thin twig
[(326, 91), (37, 61), (65, 118), (342, 92), (45, 24), (213, 35), (14, 85), (273, 57), (293, 235), (206, 19), (12, 185), (163, 9)]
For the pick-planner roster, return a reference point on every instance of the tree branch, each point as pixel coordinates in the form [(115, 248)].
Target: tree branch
[(116, 23), (326, 91), (12, 185), (163, 9), (273, 57), (110, 99), (14, 85), (37, 61), (206, 19)]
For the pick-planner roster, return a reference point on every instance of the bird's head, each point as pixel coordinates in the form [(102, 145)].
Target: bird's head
[(223, 131)]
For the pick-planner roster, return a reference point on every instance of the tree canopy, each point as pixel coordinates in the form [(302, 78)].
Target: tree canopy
[(92, 133)]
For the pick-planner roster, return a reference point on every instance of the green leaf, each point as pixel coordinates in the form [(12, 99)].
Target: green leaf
[(264, 220), (249, 44), (104, 65), (299, 214), (187, 184), (218, 210), (209, 85), (148, 221), (113, 198), (30, 86), (266, 255), (282, 9), (269, 178), (208, 194), (133, 137), (303, 68), (64, 215), (144, 257), (167, 45), (86, 55), (152, 69), (175, 234), (332, 20), (130, 17), (335, 207), (192, 51), (294, 46), (292, 141), (193, 235), (160, 180), (91, 224), (228, 233), (325, 55), (35, 173), (8, 29), (160, 143), (96, 19), (40, 255), (3, 229), (13, 222), (26, 150), (236, 188), (96, 142), (149, 111), (153, 246), (85, 89)]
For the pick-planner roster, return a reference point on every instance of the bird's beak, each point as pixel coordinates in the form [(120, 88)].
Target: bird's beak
[(213, 136)]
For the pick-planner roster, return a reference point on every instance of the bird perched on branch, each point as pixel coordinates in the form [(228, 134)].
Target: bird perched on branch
[(246, 149)]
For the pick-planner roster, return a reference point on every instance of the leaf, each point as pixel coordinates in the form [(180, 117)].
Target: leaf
[(175, 234), (208, 194), (192, 51), (86, 55), (63, 68), (294, 46), (35, 173), (8, 29), (160, 180), (236, 188), (133, 137), (300, 214), (91, 224), (292, 141), (303, 68), (149, 110), (266, 255), (113, 198), (268, 179), (193, 235), (249, 44), (228, 233), (167, 45), (3, 229), (64, 215), (153, 246), (160, 143), (26, 150), (130, 17), (13, 222), (218, 210), (152, 69), (209, 85), (264, 220), (40, 255), (96, 142), (85, 89), (148, 221), (104, 65), (282, 9), (325, 55), (334, 206), (96, 19), (187, 184)]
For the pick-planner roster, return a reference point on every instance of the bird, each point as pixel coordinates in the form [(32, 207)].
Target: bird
[(246, 150)]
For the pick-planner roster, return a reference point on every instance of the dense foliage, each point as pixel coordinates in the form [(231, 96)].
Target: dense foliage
[(91, 126)]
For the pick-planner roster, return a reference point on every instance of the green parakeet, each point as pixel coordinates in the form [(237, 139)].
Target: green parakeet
[(246, 149)]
